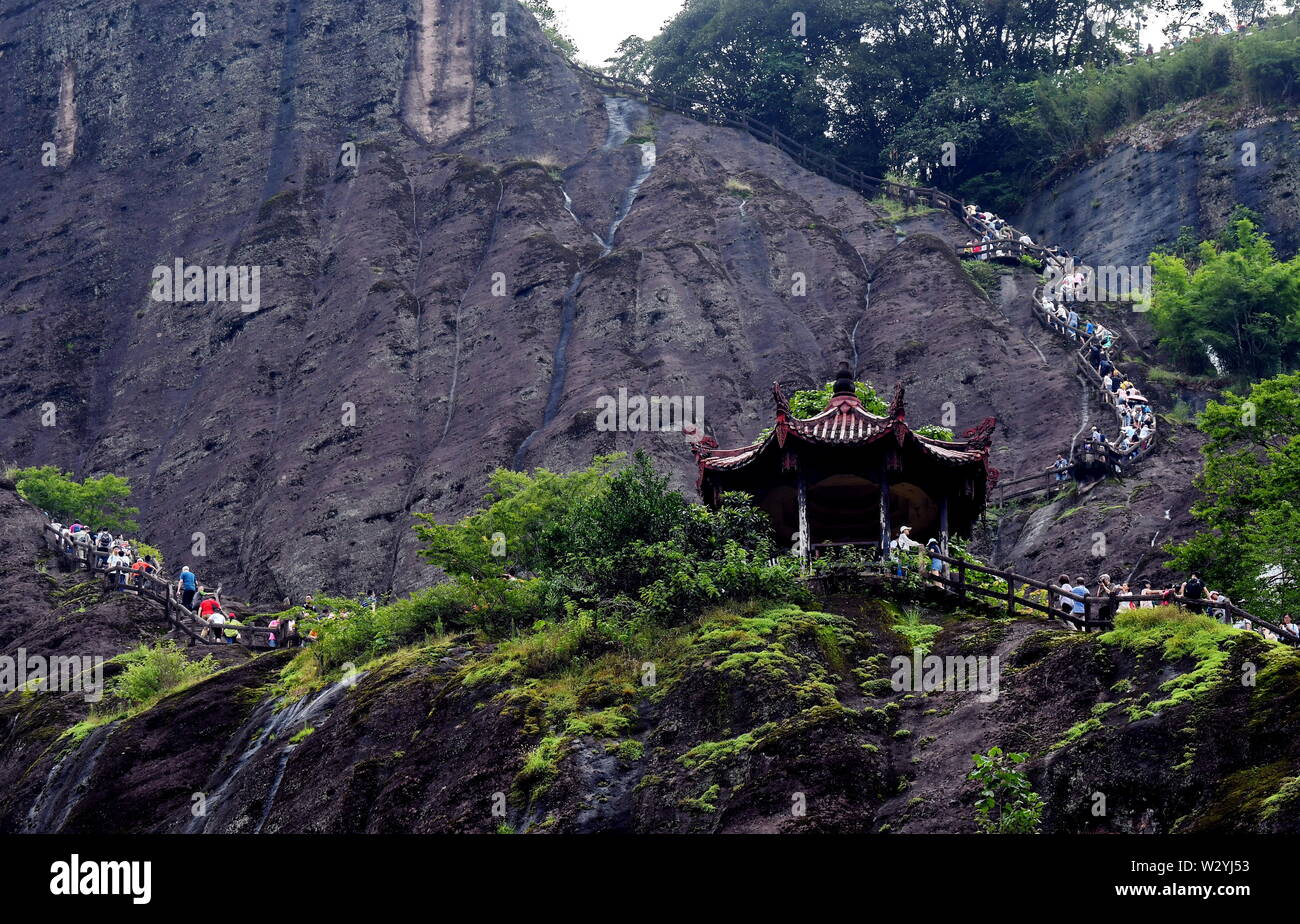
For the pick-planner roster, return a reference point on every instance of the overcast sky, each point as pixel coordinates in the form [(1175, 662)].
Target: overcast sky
[(597, 26)]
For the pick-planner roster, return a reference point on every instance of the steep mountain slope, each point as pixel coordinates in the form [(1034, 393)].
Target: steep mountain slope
[(456, 301), (1189, 168)]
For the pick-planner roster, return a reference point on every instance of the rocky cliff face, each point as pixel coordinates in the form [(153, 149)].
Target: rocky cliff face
[(1166, 172), (461, 247)]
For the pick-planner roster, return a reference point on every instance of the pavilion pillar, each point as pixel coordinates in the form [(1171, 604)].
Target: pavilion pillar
[(943, 529), (884, 514), (805, 545)]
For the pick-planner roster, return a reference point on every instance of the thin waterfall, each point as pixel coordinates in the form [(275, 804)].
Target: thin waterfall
[(620, 113)]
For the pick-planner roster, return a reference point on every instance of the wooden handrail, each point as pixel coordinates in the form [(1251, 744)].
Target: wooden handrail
[(1095, 606), (152, 587)]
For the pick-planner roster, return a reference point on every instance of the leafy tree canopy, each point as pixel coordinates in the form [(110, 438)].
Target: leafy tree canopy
[(1015, 86), (98, 502), (1230, 306), (1251, 502)]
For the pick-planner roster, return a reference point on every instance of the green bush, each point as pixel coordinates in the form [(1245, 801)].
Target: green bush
[(1007, 802), (493, 606), (515, 530), (612, 555), (985, 275), (153, 671), (638, 550), (809, 402), (613, 547), (98, 502), (1232, 297)]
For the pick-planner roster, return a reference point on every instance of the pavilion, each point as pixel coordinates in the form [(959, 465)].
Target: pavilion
[(848, 477)]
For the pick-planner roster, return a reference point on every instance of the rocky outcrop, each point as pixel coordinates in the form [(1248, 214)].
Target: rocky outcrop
[(1150, 183), (750, 719)]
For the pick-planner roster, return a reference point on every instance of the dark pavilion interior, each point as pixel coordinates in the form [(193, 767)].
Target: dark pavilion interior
[(849, 477)]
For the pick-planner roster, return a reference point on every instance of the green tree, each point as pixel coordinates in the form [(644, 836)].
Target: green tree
[(98, 502), (1016, 88), (1007, 801), (640, 551), (1234, 302), (631, 60), (515, 531), (885, 82), (1250, 546), (549, 20)]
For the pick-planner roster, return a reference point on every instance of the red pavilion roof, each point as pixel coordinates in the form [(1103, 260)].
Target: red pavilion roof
[(846, 422)]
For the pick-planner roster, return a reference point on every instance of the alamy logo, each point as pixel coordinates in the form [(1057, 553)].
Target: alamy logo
[(192, 283), (922, 673), (653, 414), (103, 877), (56, 674)]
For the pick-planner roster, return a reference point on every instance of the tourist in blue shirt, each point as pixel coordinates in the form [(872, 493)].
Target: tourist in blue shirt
[(1081, 589), (187, 584)]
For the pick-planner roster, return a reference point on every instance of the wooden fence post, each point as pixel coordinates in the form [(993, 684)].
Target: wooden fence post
[(961, 579), (1011, 596)]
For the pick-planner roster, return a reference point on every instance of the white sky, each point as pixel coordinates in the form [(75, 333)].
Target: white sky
[(597, 26)]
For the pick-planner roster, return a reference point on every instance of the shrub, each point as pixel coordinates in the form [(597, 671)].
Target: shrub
[(492, 606), (617, 547), (98, 502), (985, 275), (809, 402), (153, 671), (1007, 803)]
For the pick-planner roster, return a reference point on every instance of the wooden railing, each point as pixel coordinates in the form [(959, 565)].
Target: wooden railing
[(1092, 375), (159, 591), (1005, 248), (1108, 457), (1097, 613)]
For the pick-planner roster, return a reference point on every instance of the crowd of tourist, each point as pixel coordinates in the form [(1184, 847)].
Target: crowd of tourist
[(1191, 593), (993, 232), (129, 565), (1137, 422), (101, 549)]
